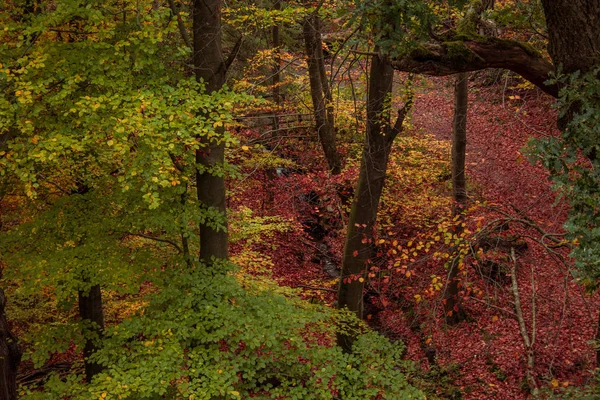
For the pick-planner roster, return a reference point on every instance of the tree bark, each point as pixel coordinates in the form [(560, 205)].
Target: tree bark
[(10, 356), (92, 315), (452, 309), (360, 237), (320, 93), (573, 49), (210, 68), (573, 33)]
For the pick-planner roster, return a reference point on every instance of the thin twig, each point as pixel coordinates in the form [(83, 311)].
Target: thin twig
[(167, 241)]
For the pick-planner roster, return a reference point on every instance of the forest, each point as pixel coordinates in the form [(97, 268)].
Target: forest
[(299, 199)]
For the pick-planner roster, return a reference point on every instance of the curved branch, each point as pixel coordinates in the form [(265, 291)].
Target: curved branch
[(473, 54), (170, 242)]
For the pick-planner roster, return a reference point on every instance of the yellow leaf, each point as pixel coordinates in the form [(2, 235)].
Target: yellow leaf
[(235, 393), (245, 148), (554, 383), (494, 318), (361, 280)]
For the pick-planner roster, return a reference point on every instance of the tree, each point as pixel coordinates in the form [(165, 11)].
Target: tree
[(320, 91), (210, 68), (452, 309), (360, 236), (95, 87), (276, 42)]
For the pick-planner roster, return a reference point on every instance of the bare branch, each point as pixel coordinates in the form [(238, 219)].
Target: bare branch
[(529, 371)]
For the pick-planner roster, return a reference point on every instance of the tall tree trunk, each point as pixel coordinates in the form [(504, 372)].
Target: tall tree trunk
[(459, 141), (276, 79), (316, 71), (275, 73), (10, 356), (360, 236), (210, 69), (452, 309), (92, 315), (324, 80)]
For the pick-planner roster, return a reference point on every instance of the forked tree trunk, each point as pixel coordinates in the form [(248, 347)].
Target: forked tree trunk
[(320, 93), (363, 215), (10, 356), (92, 316), (210, 68), (452, 309)]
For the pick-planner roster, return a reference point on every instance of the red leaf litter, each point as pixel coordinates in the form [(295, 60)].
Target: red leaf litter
[(488, 346)]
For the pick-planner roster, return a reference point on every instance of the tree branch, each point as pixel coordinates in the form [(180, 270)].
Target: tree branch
[(180, 25), (472, 54), (175, 245), (234, 53)]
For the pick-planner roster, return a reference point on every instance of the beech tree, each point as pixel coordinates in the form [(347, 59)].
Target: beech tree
[(210, 68), (320, 91), (360, 236)]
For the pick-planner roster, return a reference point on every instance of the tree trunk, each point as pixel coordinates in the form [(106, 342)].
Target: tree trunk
[(210, 69), (324, 80), (573, 49), (10, 356), (319, 90), (92, 315), (276, 77), (452, 310), (360, 236), (276, 80), (459, 141), (573, 33)]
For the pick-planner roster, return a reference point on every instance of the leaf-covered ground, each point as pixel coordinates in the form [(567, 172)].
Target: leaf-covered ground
[(483, 356), (490, 348)]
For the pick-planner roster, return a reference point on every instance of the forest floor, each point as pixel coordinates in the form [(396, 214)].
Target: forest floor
[(484, 356), (490, 349)]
